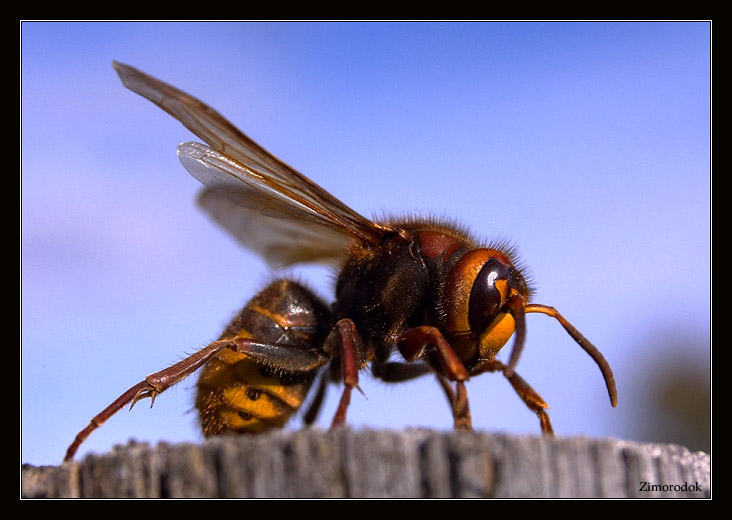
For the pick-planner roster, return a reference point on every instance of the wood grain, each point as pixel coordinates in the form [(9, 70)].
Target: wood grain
[(349, 463)]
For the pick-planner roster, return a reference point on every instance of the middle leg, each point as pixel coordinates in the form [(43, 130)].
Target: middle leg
[(422, 341)]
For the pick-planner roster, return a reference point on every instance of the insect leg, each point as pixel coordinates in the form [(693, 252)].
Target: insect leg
[(414, 344), (344, 342), (282, 356), (311, 414), (527, 394), (391, 372), (452, 397), (150, 387)]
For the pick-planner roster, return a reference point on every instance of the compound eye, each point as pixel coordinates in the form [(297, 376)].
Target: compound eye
[(488, 294)]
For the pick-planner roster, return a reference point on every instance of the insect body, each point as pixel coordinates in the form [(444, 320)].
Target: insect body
[(425, 289)]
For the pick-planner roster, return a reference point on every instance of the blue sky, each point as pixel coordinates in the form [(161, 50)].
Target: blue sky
[(585, 144)]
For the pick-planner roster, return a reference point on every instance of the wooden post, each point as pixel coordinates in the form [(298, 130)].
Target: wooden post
[(347, 463)]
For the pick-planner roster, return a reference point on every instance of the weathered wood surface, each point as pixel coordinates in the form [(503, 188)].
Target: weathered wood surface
[(380, 464)]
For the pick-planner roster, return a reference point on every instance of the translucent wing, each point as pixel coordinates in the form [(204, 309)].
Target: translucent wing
[(267, 205), (281, 242), (264, 216)]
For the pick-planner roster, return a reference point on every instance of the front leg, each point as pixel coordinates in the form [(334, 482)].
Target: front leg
[(527, 394), (420, 341)]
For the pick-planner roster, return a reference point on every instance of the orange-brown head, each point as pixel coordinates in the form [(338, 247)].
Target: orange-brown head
[(484, 296)]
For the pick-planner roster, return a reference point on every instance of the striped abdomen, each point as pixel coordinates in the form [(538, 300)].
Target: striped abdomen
[(239, 394)]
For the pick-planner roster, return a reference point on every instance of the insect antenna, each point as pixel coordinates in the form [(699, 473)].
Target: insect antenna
[(583, 342)]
